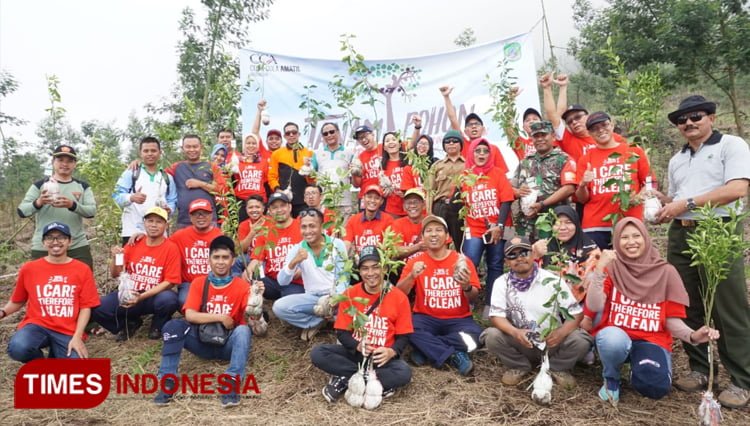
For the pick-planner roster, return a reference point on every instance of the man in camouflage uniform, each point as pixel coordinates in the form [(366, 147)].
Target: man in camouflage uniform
[(550, 172)]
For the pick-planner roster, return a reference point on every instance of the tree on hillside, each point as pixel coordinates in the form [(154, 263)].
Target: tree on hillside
[(701, 39), (207, 95), (55, 129), (466, 38)]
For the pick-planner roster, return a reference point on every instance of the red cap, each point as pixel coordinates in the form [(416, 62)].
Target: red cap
[(374, 188), (200, 204)]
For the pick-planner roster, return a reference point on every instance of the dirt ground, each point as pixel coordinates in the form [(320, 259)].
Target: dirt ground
[(291, 390)]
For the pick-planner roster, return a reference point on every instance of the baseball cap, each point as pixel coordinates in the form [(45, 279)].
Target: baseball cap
[(649, 371), (573, 108), (273, 132), (157, 211), (362, 129), (543, 126), (65, 150), (276, 196), (374, 188), (473, 116), (220, 242), (200, 204), (432, 218), (596, 118), (368, 253), (530, 111), (415, 191), (56, 226), (517, 243)]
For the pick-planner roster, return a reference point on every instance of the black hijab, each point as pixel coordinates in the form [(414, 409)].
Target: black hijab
[(579, 246)]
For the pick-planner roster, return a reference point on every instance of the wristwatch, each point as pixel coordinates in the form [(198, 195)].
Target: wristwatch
[(691, 204)]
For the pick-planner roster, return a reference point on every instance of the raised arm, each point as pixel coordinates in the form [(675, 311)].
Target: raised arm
[(450, 110)]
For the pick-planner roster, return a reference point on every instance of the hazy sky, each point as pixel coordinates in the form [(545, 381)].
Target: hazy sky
[(114, 56)]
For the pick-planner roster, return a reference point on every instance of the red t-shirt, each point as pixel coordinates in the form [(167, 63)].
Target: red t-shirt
[(576, 146), (193, 247), (251, 179), (437, 295), (279, 241), (390, 318), (605, 168), (641, 321), (55, 293), (370, 169), (401, 180), (523, 147), (484, 199), (410, 179), (150, 266), (230, 299), (244, 229), (499, 160), (411, 233), (363, 233)]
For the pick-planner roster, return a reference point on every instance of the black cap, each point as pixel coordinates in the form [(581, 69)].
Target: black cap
[(573, 108), (222, 241), (473, 116), (690, 104), (362, 129), (596, 118), (368, 253), (65, 151), (531, 111), (276, 196)]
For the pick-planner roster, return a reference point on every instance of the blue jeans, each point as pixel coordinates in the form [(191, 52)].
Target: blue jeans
[(473, 248), (182, 294), (297, 309), (27, 343), (615, 348), (439, 338), (179, 334)]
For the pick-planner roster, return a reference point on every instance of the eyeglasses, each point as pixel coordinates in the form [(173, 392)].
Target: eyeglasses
[(473, 124), (310, 212), (574, 118), (481, 151), (694, 117), (517, 254), (328, 133), (452, 140), (290, 133), (55, 239)]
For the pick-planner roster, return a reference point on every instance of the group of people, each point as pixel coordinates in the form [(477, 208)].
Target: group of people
[(447, 215)]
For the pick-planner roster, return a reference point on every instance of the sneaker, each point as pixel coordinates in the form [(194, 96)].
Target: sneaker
[(513, 377), (461, 362), (162, 398), (154, 334), (418, 358), (609, 395), (308, 333), (387, 393), (693, 382), (335, 388), (563, 379), (589, 359), (734, 396), (129, 331), (231, 399)]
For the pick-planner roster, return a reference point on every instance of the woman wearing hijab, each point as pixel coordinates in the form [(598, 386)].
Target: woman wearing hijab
[(251, 175), (218, 163), (570, 245), (642, 300), (487, 196), (422, 148)]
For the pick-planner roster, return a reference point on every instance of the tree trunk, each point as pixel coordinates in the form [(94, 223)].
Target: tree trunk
[(733, 101), (203, 117)]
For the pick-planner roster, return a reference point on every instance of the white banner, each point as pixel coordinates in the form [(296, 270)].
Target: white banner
[(405, 86)]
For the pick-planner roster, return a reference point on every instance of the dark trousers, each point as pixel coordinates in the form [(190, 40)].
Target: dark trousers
[(731, 315), (339, 361), (27, 344), (449, 212), (274, 291), (603, 239), (439, 338), (113, 317)]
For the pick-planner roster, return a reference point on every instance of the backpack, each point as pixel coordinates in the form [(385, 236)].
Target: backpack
[(137, 173)]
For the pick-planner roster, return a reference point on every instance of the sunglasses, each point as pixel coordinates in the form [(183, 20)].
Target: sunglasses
[(310, 212), (290, 133), (517, 254), (328, 133), (447, 141), (481, 151), (694, 117), (574, 118)]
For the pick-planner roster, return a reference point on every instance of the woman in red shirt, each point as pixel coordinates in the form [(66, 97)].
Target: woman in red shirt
[(642, 300), (394, 166)]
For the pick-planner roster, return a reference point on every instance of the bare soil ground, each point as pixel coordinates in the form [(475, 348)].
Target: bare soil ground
[(290, 389)]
